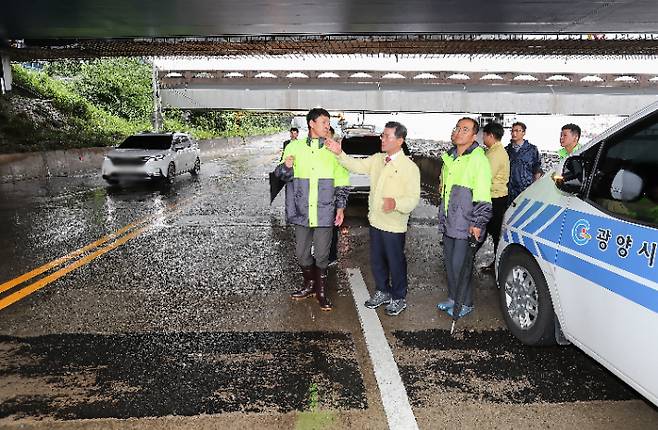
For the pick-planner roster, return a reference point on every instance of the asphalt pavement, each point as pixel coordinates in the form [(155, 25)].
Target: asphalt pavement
[(168, 307)]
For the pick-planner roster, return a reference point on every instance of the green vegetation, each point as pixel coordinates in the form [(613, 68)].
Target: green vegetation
[(206, 125), (72, 104), (315, 418)]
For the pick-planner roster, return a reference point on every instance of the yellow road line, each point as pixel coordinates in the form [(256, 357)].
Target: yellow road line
[(39, 270), (29, 289), (44, 268)]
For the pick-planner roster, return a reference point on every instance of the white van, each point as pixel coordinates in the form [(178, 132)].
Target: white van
[(578, 257)]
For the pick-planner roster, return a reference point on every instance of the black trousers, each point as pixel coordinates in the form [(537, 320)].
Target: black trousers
[(499, 206), (333, 251), (387, 258)]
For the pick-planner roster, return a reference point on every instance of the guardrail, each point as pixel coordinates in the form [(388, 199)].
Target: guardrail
[(184, 79)]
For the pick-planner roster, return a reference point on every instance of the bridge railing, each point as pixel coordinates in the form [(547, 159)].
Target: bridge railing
[(178, 79)]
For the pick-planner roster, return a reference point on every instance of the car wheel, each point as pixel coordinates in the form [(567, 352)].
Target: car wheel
[(197, 167), (171, 173), (525, 299)]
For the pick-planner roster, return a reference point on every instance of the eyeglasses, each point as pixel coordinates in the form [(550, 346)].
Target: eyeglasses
[(458, 129)]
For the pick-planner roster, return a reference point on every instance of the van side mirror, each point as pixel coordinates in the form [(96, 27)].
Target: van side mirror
[(573, 177)]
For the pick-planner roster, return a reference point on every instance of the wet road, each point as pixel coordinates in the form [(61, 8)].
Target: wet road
[(156, 308)]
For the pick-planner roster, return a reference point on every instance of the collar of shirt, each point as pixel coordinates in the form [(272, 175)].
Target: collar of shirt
[(320, 140), (454, 154), (392, 157), (517, 147), (498, 144)]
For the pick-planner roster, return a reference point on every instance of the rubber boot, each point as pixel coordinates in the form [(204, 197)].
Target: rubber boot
[(308, 286), (321, 290)]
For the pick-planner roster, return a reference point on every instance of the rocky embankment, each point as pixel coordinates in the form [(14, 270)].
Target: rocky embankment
[(427, 155)]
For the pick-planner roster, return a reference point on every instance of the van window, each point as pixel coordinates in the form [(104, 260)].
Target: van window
[(625, 182)]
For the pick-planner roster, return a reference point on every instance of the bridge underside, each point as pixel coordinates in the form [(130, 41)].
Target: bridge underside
[(43, 29), (409, 98), (410, 44)]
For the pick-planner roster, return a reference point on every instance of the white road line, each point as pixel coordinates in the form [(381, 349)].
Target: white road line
[(392, 391)]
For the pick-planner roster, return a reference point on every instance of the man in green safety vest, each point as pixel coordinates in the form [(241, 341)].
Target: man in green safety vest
[(464, 209), (569, 136), (316, 197)]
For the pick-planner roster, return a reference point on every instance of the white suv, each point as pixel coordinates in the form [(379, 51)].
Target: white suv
[(152, 156)]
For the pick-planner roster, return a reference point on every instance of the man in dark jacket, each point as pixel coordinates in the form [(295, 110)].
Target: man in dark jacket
[(525, 163), (316, 197), (464, 208), (294, 133)]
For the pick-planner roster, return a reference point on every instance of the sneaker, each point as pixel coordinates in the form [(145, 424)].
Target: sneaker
[(380, 298), (445, 305), (465, 311), (395, 307)]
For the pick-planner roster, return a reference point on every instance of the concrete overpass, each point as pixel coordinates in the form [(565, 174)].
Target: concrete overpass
[(44, 29), (411, 91), (37, 29)]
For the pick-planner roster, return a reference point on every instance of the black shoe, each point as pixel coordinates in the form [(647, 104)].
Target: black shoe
[(321, 290), (308, 286)]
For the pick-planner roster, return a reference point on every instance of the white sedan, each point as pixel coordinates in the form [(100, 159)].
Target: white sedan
[(150, 156)]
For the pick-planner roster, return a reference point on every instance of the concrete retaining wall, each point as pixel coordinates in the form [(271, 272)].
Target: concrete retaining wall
[(430, 169), (26, 165)]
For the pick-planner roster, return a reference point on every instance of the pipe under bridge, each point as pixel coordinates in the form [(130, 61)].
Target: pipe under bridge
[(376, 91)]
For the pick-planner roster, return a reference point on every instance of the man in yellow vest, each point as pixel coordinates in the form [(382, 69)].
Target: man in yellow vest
[(394, 193), (464, 209), (316, 197)]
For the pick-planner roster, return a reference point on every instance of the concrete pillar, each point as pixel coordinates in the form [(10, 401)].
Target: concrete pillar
[(156, 118), (5, 74)]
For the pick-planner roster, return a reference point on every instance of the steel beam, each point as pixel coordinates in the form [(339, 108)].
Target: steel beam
[(422, 98)]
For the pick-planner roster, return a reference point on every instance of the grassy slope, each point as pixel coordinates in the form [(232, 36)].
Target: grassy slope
[(44, 114)]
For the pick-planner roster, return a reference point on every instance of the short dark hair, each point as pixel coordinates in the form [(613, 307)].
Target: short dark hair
[(573, 128), (520, 124), (400, 130), (295, 129), (476, 125), (315, 113), (494, 129)]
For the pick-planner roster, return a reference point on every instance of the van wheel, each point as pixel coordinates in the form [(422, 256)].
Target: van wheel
[(171, 173), (525, 299), (197, 167)]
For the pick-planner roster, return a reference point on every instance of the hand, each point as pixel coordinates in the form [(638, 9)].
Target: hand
[(333, 146), (389, 204), (340, 216), (289, 161), (475, 232)]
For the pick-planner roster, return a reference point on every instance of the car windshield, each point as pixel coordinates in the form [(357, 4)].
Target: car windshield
[(362, 145), (156, 141)]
